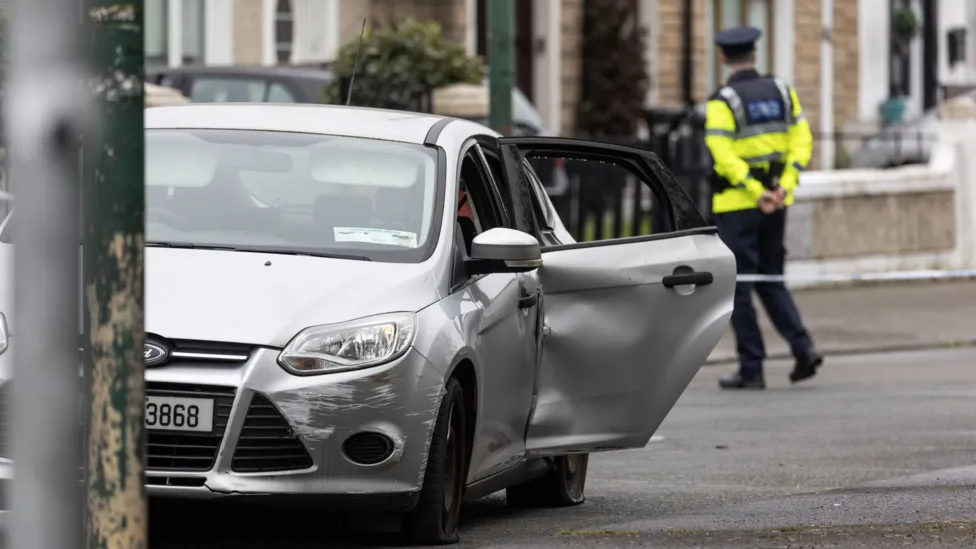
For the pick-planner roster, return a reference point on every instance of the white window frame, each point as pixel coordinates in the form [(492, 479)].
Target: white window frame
[(218, 32), (783, 56)]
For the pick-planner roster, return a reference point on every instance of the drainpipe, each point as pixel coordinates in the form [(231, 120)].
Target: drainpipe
[(827, 143), (686, 76)]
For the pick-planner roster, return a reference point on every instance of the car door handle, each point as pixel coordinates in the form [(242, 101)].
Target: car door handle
[(527, 301), (693, 278)]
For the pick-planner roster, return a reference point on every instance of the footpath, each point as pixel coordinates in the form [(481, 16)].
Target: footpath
[(874, 318)]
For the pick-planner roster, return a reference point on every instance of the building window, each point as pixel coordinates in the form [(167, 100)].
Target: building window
[(157, 34), (284, 31), (165, 32), (194, 21), (754, 13)]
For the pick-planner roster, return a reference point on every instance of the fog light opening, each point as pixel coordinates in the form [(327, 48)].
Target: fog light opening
[(368, 448)]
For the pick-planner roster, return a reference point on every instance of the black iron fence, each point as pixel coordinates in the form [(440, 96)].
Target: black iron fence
[(598, 201)]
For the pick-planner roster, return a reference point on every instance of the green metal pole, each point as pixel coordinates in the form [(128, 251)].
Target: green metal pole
[(113, 246), (501, 63)]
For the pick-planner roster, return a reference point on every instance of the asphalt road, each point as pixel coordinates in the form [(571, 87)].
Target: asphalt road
[(878, 450)]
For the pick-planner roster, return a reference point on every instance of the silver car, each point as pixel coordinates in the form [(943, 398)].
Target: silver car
[(382, 310)]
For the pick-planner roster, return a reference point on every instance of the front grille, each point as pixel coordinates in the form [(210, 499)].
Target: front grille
[(176, 451), (200, 352), (267, 442), (182, 482)]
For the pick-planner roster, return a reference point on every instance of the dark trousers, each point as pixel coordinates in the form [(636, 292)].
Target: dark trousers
[(756, 240)]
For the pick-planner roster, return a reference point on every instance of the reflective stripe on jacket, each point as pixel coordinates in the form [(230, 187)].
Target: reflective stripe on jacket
[(750, 122)]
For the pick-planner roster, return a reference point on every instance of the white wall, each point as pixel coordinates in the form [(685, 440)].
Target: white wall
[(916, 97), (873, 22), (784, 17), (826, 146), (648, 17), (316, 30), (219, 32), (547, 19)]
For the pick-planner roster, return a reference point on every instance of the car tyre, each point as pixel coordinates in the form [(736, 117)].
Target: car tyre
[(562, 486), (434, 521)]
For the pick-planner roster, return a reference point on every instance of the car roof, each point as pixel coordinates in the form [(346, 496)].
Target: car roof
[(390, 125), (238, 70)]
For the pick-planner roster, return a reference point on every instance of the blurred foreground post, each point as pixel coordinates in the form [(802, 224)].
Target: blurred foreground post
[(501, 63), (114, 240), (46, 108)]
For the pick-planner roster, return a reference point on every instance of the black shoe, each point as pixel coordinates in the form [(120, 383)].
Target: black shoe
[(736, 381), (806, 367)]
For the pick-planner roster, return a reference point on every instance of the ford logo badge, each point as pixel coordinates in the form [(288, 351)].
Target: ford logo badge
[(154, 354)]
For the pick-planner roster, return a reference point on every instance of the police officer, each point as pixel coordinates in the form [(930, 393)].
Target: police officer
[(759, 141)]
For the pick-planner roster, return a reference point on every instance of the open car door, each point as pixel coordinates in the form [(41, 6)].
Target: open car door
[(629, 321)]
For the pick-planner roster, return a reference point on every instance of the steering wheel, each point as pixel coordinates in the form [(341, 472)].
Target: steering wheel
[(167, 217)]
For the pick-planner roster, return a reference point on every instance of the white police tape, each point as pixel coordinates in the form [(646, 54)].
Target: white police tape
[(893, 276)]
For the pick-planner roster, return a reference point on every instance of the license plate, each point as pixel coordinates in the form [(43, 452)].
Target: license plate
[(179, 414)]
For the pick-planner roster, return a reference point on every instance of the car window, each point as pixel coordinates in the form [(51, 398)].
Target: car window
[(228, 90), (611, 199), (478, 201), (301, 192), (280, 94), (475, 180), (544, 216)]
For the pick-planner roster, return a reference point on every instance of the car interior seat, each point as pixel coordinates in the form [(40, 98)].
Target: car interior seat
[(224, 204)]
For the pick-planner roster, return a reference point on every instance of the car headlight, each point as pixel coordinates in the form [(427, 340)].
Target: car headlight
[(349, 346), (4, 335)]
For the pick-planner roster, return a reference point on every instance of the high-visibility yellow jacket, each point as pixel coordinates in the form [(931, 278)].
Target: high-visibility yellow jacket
[(751, 121)]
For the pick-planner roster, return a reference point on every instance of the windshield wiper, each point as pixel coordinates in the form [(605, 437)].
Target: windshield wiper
[(257, 249), (188, 246), (309, 253)]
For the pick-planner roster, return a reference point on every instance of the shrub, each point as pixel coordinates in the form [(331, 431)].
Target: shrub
[(614, 74), (400, 65)]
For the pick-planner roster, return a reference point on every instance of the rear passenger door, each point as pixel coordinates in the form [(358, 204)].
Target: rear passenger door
[(628, 321)]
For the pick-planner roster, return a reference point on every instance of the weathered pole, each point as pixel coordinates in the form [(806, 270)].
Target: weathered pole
[(114, 240), (501, 63), (45, 112)]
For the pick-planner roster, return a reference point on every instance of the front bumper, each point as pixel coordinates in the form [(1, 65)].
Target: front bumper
[(276, 434)]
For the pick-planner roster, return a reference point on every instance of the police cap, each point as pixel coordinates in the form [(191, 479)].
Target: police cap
[(738, 40)]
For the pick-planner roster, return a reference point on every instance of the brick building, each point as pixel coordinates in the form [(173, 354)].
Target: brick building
[(836, 52)]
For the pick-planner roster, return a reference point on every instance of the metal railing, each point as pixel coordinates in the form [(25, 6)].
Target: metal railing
[(601, 201)]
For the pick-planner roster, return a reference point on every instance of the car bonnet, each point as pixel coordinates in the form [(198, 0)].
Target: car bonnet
[(266, 299)]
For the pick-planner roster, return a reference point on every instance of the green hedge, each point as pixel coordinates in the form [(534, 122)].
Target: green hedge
[(400, 63)]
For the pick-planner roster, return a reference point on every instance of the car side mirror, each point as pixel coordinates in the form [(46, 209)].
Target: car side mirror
[(503, 250)]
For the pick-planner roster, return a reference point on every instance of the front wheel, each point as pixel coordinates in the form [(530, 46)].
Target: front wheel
[(435, 519), (562, 486)]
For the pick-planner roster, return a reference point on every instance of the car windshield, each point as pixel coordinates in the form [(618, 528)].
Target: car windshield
[(290, 193)]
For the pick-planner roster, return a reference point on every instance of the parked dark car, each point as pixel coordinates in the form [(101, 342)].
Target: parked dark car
[(245, 84)]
